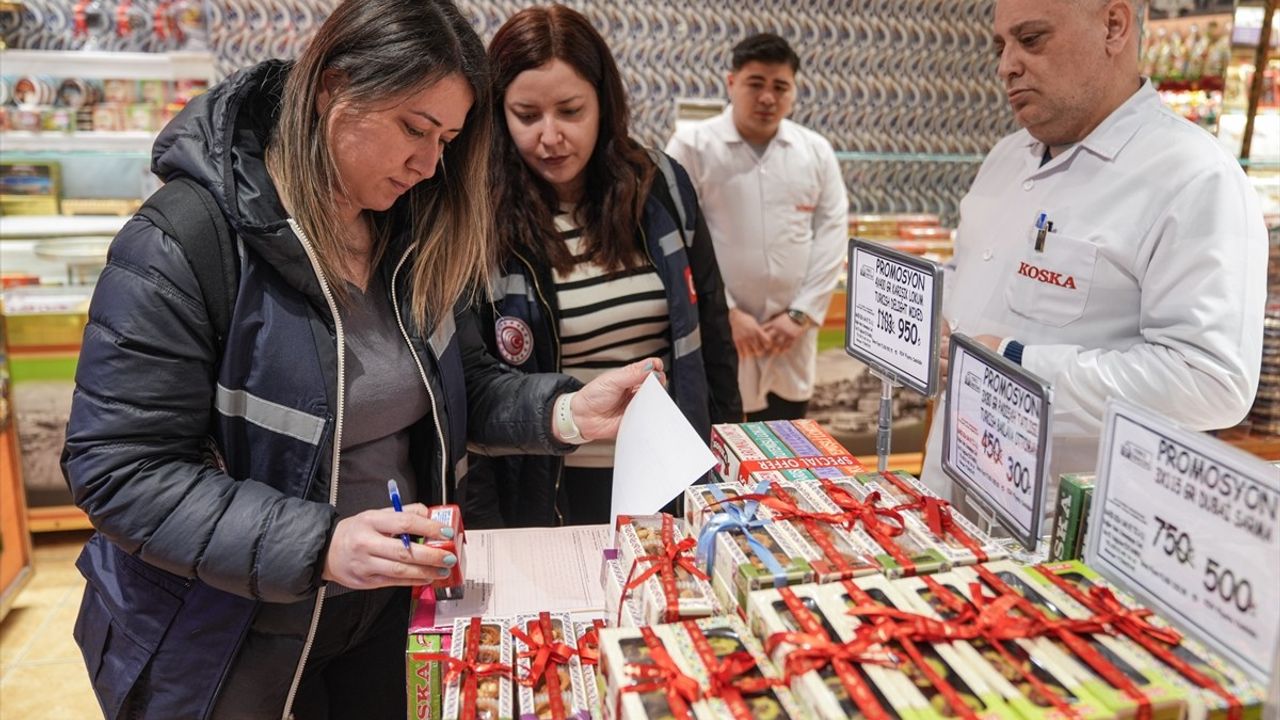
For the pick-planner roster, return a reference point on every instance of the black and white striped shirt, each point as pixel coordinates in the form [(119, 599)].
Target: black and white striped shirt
[(607, 320)]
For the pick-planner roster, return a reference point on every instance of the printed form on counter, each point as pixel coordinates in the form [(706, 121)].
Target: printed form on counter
[(1188, 524), (523, 570)]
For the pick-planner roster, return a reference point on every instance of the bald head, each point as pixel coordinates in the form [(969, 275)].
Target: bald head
[(1066, 64)]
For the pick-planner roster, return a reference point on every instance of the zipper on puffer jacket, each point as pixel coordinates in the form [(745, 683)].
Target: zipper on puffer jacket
[(555, 343), (337, 449), (435, 414)]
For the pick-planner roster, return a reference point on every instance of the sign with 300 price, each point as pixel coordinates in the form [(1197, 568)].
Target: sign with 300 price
[(996, 435), (1189, 525), (893, 302)]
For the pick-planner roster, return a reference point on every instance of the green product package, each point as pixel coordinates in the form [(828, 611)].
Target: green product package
[(423, 678), (1071, 510)]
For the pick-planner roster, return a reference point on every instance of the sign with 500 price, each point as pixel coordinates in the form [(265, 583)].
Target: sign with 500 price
[(996, 435), (1189, 525)]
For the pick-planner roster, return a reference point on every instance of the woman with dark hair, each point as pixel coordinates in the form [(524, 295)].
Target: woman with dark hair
[(246, 563), (604, 259)]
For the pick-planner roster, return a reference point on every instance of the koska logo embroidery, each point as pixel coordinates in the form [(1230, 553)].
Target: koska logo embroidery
[(515, 340), (1048, 277)]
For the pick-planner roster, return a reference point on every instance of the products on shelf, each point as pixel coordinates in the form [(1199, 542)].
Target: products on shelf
[(1187, 54), (29, 188), (107, 25), (66, 105)]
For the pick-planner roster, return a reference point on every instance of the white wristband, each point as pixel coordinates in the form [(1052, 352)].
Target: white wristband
[(566, 428)]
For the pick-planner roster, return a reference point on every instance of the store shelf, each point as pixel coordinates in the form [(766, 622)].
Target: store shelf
[(56, 143), (109, 65), (847, 156), (17, 227), (56, 518)]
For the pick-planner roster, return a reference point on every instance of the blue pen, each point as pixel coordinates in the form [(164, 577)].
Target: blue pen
[(1041, 231), (394, 491)]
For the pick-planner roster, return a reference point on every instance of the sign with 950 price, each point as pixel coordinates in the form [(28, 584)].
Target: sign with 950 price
[(996, 435), (1189, 525), (893, 300)]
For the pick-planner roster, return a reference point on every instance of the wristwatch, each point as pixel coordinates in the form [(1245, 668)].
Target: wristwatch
[(565, 426), (798, 317)]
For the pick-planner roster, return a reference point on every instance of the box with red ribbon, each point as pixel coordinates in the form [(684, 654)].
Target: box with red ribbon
[(1119, 679), (819, 531), (958, 540), (1024, 672), (832, 678), (898, 545), (643, 679), (548, 669), (1215, 688), (708, 669), (478, 671), (793, 451), (622, 608), (740, 543), (736, 678), (662, 569), (589, 658), (944, 672)]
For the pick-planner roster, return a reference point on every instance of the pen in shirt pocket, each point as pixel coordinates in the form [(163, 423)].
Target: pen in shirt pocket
[(1044, 226)]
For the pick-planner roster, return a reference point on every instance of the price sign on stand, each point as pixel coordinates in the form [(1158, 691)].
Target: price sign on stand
[(1189, 525), (894, 304), (996, 435)]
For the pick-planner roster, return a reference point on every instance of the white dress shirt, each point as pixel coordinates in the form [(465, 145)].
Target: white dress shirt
[(1151, 287), (779, 222)]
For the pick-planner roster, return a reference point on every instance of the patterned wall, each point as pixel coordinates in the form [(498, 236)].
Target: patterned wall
[(879, 76)]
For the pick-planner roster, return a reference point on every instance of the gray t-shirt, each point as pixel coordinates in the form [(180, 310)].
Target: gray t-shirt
[(384, 398)]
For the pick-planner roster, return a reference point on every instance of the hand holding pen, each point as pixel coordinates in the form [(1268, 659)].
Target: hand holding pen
[(374, 549)]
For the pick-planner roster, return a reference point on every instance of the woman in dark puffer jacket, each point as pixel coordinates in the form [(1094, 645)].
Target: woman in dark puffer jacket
[(272, 581)]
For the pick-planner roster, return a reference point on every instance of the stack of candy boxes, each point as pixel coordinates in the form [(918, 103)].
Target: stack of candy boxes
[(802, 586), (847, 593)]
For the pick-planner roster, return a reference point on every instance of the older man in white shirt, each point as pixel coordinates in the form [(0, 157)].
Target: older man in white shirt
[(776, 206), (1111, 247)]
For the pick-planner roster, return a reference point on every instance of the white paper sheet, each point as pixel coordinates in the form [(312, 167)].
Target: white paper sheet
[(658, 453), (531, 570)]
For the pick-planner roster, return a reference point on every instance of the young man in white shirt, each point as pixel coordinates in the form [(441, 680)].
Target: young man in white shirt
[(1111, 247), (776, 206)]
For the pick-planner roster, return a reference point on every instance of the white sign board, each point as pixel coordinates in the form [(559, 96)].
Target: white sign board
[(996, 435), (893, 301), (1189, 525)]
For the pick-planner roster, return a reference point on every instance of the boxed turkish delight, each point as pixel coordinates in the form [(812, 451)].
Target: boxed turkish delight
[(553, 687)]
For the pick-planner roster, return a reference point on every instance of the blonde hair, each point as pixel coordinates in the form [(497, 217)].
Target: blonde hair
[(385, 50)]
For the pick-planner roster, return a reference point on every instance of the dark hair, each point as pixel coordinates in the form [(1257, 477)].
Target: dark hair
[(385, 50), (766, 48), (619, 172)]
